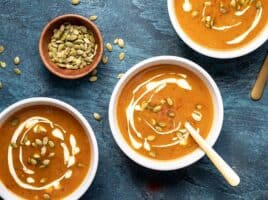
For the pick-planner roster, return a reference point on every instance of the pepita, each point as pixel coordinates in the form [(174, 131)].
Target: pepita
[(97, 116), (52, 154), (121, 56), (93, 17), (46, 196), (75, 2), (150, 137), (121, 43), (51, 144), (157, 109), (120, 75), (109, 47), (30, 180), (43, 180), (46, 162), (38, 142), (2, 48), (169, 101), (152, 154), (3, 64), (104, 59), (17, 71), (16, 60), (93, 78)]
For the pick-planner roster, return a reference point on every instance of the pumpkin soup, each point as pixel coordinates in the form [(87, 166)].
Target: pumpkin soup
[(44, 153), (222, 24), (154, 105)]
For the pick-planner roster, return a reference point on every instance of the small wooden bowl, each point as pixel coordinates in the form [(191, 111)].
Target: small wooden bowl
[(46, 37)]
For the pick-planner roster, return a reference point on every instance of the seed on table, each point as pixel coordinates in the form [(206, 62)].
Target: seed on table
[(109, 47), (2, 48), (1, 85), (121, 56), (104, 59), (93, 78), (97, 116), (94, 72), (75, 2), (3, 64), (93, 17), (116, 40), (17, 71), (16, 60), (121, 43), (120, 75)]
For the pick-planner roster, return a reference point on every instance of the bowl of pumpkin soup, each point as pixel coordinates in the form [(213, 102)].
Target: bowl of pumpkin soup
[(48, 151), (220, 29), (150, 105)]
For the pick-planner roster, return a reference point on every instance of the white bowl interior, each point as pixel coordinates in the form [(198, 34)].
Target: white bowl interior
[(7, 194), (214, 53), (187, 159)]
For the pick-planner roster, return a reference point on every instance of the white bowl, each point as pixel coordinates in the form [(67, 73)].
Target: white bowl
[(187, 159), (214, 53), (4, 115)]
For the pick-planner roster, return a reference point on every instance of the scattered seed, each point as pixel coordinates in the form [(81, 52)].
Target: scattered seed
[(17, 71), (151, 138), (36, 156), (153, 122), (93, 78), (38, 142), (121, 43), (144, 105), (171, 114), (3, 64), (51, 144), (42, 166), (52, 154), (30, 180), (15, 122), (158, 128), (27, 142), (162, 101), (81, 165), (194, 13), (157, 109), (39, 129), (2, 48), (45, 140), (33, 161), (97, 116), (75, 2), (1, 85), (109, 47), (14, 145), (43, 180), (169, 101), (43, 150), (16, 60), (46, 162), (104, 59), (162, 124), (121, 56), (93, 17), (120, 75), (46, 196), (152, 154), (198, 106), (258, 5), (116, 40)]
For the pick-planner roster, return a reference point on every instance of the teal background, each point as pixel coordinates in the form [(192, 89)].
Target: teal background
[(145, 26)]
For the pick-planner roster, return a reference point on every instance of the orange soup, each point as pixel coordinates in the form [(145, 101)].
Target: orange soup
[(222, 24), (44, 153), (155, 104)]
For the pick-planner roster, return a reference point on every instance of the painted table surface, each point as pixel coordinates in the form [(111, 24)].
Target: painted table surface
[(145, 26)]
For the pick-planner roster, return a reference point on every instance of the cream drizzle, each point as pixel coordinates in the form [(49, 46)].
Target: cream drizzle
[(28, 125), (152, 86), (242, 12), (245, 34), (227, 27)]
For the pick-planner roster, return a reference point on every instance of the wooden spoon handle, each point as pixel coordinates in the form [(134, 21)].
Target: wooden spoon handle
[(228, 173), (259, 85)]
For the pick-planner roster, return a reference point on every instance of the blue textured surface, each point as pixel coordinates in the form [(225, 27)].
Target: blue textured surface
[(145, 26)]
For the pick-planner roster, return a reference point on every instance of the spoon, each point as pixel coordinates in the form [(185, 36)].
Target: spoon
[(259, 85), (228, 173)]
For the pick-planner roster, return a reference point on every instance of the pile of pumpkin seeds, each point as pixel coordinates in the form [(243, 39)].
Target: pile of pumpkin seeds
[(72, 47)]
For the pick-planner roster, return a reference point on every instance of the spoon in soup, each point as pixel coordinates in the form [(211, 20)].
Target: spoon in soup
[(228, 173)]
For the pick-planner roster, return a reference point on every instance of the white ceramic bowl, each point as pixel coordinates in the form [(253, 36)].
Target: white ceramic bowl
[(4, 115), (185, 160), (214, 53)]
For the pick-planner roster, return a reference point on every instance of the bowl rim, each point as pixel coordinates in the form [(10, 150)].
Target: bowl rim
[(215, 53), (93, 65), (182, 161), (88, 179)]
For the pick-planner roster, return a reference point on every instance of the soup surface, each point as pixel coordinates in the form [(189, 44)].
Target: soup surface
[(155, 104), (44, 153), (222, 24)]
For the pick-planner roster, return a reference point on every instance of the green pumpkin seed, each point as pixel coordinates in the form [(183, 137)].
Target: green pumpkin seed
[(171, 114), (38, 142), (14, 145), (52, 154), (33, 161), (120, 75)]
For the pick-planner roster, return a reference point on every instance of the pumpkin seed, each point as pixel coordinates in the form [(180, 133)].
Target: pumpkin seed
[(158, 128), (38, 142), (52, 154), (43, 180), (45, 140), (153, 122), (46, 196), (81, 165), (171, 114), (109, 47), (121, 56), (36, 156), (14, 145), (120, 75), (104, 59), (39, 129), (194, 13), (3, 64), (27, 142), (157, 109), (75, 2), (94, 72), (33, 161), (152, 154), (16, 60), (1, 85), (169, 101), (93, 78), (150, 137), (116, 40), (30, 180), (17, 71), (42, 166), (198, 106), (2, 48), (258, 5), (43, 150), (97, 116), (46, 162), (162, 124), (51, 144), (121, 43), (93, 17)]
